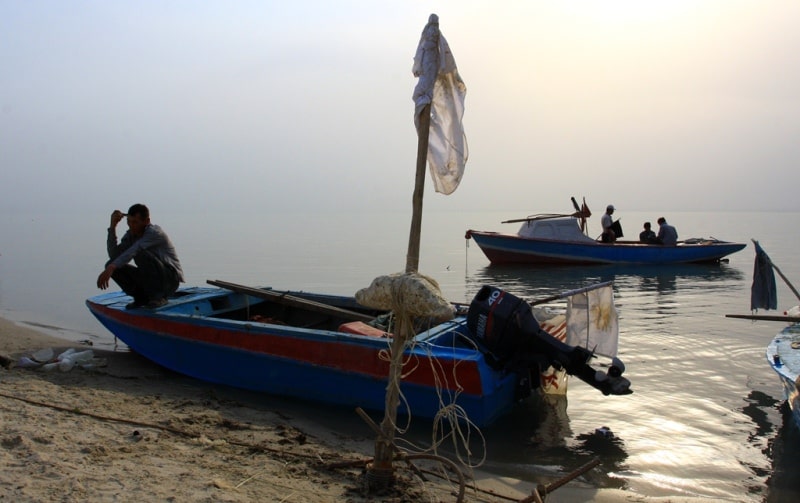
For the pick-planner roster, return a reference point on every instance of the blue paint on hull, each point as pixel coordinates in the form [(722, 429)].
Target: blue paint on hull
[(783, 355), (317, 365), (512, 249)]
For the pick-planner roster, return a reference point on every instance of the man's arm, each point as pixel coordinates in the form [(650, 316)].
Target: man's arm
[(112, 248), (111, 240), (129, 247), (105, 276)]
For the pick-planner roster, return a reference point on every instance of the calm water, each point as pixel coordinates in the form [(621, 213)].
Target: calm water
[(705, 419)]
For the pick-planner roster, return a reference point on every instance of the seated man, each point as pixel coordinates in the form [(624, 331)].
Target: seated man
[(647, 235), (157, 272), (667, 234)]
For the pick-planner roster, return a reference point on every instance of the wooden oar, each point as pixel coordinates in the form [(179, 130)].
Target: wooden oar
[(570, 293), (764, 317), (289, 300), (541, 217)]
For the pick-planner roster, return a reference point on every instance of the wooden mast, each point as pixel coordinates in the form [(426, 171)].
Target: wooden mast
[(412, 257), (380, 473)]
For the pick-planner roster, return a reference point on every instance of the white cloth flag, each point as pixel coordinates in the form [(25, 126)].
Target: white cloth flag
[(592, 321), (440, 85)]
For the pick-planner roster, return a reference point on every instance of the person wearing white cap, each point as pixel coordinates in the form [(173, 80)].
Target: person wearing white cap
[(606, 221)]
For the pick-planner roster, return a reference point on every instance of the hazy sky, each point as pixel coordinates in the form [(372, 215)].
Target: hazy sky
[(650, 105)]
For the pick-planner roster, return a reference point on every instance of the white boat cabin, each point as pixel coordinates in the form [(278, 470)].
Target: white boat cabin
[(556, 229)]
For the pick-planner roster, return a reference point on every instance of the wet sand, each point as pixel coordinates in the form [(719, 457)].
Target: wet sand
[(129, 430)]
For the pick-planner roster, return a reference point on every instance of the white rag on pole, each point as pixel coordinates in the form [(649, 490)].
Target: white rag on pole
[(592, 321), (440, 85)]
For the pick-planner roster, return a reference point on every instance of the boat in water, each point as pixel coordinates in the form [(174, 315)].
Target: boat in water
[(557, 239), (783, 351), (330, 349), (783, 354)]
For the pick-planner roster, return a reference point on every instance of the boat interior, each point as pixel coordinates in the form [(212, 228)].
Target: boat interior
[(313, 312)]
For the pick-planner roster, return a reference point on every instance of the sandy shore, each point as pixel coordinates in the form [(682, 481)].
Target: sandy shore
[(128, 430)]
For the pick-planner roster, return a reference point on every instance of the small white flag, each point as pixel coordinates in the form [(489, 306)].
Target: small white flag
[(440, 85), (592, 321)]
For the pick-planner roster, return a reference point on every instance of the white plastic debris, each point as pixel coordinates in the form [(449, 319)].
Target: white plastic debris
[(43, 355), (25, 362)]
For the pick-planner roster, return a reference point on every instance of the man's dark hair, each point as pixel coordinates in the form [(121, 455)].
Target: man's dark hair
[(139, 209)]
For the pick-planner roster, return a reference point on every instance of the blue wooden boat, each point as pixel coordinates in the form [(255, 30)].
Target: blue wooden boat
[(558, 239), (326, 348), (783, 354)]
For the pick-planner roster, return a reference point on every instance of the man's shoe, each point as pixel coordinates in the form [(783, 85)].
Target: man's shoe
[(156, 303), (133, 305)]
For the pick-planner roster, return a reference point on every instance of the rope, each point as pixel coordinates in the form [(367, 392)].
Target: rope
[(400, 454), (144, 424), (255, 447)]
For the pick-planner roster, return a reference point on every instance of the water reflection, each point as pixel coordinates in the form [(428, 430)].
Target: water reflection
[(783, 484), (648, 294), (537, 436), (546, 281), (671, 324), (758, 403)]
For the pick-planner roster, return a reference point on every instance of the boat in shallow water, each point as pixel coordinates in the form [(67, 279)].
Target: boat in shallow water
[(330, 349), (783, 354), (559, 240)]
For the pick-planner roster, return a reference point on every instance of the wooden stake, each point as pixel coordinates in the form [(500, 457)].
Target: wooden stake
[(412, 258), (380, 472)]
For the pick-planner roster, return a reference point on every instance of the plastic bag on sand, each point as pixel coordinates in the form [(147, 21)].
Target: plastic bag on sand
[(43, 355), (64, 362)]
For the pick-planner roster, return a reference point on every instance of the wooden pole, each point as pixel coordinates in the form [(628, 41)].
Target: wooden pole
[(570, 293), (412, 257), (380, 473), (764, 317)]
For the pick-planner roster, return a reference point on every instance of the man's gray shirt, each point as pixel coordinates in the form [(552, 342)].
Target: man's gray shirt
[(153, 240)]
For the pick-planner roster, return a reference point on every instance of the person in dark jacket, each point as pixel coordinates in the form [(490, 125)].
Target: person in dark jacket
[(157, 272), (647, 235)]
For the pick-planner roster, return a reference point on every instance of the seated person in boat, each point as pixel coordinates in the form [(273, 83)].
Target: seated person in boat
[(607, 222), (157, 272), (647, 235), (667, 234)]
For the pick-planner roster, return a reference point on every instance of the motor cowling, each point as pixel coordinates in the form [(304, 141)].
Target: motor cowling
[(503, 325)]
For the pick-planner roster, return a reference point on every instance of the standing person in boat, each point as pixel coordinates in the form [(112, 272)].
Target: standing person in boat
[(647, 235), (157, 272), (608, 236), (667, 234)]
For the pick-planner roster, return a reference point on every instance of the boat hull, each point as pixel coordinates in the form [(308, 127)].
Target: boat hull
[(783, 355), (318, 365), (512, 249)]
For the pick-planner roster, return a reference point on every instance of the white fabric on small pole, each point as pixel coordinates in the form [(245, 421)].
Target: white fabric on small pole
[(592, 321), (440, 85)]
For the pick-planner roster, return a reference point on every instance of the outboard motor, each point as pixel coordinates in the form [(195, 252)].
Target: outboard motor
[(504, 326)]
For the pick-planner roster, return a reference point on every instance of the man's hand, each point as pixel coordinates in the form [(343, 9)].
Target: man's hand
[(116, 216), (105, 276)]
